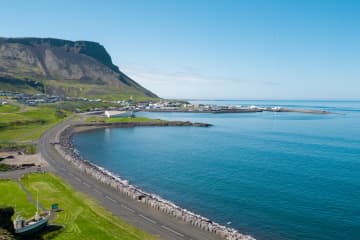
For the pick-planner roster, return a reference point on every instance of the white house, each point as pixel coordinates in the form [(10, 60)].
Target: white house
[(114, 114)]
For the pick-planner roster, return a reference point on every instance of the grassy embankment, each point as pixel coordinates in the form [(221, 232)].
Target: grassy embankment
[(21, 126), (82, 217), (27, 123)]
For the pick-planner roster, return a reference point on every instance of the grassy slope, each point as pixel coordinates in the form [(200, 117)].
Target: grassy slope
[(82, 217), (27, 123), (83, 106), (12, 195), (14, 88), (76, 89), (9, 108)]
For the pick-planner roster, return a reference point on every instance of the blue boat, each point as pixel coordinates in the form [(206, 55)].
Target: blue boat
[(32, 225)]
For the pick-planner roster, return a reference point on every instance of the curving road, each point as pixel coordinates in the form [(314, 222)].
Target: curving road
[(148, 219)]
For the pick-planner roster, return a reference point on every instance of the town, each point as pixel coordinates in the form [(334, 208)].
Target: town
[(160, 105)]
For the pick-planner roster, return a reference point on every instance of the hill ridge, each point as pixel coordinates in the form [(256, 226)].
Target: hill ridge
[(78, 67)]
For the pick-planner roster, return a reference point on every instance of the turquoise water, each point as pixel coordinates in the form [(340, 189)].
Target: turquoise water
[(272, 175)]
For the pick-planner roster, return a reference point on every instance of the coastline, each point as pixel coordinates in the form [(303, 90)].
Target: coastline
[(91, 126), (245, 110), (67, 150)]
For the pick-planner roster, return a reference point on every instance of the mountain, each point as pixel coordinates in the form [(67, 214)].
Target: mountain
[(65, 68)]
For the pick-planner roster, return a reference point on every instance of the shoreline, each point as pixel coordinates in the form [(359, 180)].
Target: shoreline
[(92, 126), (245, 110), (67, 150)]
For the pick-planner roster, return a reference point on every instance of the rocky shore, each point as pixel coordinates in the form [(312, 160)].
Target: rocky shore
[(156, 123), (68, 152)]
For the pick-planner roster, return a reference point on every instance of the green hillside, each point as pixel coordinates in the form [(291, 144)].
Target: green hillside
[(64, 68)]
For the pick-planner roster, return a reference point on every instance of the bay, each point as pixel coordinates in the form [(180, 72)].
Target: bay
[(271, 175)]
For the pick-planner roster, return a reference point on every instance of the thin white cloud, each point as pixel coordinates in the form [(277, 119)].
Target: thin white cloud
[(190, 83), (151, 75)]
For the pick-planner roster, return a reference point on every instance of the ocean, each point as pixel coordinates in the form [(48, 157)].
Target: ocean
[(274, 176)]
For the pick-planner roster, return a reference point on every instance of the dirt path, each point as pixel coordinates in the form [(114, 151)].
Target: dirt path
[(29, 196)]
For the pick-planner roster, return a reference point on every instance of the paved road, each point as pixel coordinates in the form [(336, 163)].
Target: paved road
[(18, 173), (131, 211)]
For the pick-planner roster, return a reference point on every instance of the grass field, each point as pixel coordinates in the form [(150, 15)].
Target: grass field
[(9, 108), (121, 119), (81, 106), (13, 195), (82, 217), (22, 124)]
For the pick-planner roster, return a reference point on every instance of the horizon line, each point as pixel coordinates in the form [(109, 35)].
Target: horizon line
[(264, 99)]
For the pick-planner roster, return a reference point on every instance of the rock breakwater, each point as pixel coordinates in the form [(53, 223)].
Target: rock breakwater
[(155, 123), (68, 152)]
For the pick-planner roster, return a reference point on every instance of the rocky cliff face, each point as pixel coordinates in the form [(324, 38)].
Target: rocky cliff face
[(61, 64)]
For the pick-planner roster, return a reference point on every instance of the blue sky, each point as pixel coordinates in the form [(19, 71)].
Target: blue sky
[(212, 49)]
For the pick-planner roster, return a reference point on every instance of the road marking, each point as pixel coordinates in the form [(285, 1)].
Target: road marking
[(61, 169), (77, 179), (97, 191), (148, 219), (130, 209), (173, 231), (86, 184), (113, 200)]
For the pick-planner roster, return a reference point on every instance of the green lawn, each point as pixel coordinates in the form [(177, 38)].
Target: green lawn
[(121, 119), (82, 217), (27, 124), (9, 108), (13, 195)]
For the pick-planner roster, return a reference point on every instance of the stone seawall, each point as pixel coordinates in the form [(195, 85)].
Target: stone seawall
[(68, 152), (157, 123)]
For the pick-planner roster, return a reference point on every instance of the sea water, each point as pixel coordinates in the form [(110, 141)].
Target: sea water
[(271, 175)]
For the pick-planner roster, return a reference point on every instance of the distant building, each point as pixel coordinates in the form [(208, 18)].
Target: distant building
[(115, 114)]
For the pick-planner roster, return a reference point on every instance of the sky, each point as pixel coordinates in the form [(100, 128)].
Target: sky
[(211, 49)]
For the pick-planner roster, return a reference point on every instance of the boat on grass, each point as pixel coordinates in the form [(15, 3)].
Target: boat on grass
[(32, 225)]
